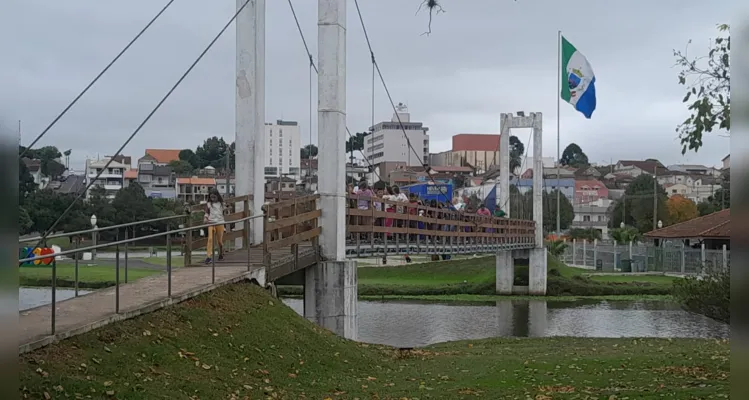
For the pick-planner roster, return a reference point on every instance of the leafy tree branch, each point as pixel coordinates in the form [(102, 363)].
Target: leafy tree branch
[(707, 80)]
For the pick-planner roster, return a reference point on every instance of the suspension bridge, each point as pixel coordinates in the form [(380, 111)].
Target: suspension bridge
[(311, 240)]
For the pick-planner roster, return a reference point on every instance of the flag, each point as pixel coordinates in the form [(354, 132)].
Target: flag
[(578, 80)]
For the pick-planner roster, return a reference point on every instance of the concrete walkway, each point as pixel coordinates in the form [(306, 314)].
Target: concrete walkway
[(78, 315)]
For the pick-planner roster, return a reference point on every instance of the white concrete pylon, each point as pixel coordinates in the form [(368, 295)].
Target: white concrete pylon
[(331, 126), (250, 110)]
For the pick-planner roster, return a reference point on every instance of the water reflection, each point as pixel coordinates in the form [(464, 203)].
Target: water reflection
[(413, 324), (34, 297)]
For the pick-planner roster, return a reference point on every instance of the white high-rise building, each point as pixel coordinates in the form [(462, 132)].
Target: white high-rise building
[(387, 142), (282, 151)]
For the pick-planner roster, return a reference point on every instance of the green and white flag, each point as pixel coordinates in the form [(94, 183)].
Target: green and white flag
[(578, 80)]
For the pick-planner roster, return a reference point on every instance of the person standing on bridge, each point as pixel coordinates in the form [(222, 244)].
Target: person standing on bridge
[(214, 214)]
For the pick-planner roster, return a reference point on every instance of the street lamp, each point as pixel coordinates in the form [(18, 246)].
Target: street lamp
[(621, 225), (660, 224), (93, 236)]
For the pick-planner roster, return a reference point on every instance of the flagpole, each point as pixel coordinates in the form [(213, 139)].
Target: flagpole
[(559, 95)]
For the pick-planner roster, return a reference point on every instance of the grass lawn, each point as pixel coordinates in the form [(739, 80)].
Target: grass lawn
[(89, 277), (238, 343), (476, 276), (653, 279)]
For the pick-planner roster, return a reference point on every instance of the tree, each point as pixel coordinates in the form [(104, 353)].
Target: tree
[(181, 167), (556, 247), (52, 168), (190, 157), (521, 207), (48, 156), (45, 206), (517, 149), (24, 221), (566, 211), (308, 151), (574, 156), (212, 153), (708, 98), (636, 206), (101, 206), (356, 142), (167, 208), (625, 235), (681, 209), (26, 183), (132, 205)]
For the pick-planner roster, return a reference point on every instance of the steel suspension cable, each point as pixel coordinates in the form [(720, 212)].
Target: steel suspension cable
[(90, 84), (143, 123)]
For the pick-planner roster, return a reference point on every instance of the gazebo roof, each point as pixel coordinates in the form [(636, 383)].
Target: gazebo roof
[(712, 226)]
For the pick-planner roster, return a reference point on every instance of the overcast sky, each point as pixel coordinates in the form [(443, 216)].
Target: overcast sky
[(483, 57)]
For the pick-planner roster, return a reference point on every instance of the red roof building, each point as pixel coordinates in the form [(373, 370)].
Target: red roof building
[(590, 190), (475, 142)]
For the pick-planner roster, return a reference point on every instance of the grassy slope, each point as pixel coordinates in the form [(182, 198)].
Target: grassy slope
[(238, 343)]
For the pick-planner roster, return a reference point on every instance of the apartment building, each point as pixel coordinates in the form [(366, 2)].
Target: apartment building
[(112, 177), (282, 150), (154, 174), (593, 215), (387, 143)]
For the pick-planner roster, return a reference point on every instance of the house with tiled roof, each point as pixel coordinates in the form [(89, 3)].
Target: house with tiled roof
[(194, 189), (588, 190), (635, 168), (714, 230), (161, 156), (154, 174)]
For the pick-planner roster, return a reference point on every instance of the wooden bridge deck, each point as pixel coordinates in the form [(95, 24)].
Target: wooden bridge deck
[(282, 261)]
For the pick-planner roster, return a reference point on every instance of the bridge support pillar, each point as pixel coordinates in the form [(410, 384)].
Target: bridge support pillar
[(537, 318), (537, 272), (505, 266), (330, 297)]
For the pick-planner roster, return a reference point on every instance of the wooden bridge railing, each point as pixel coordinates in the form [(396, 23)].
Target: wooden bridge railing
[(372, 219), (295, 222), (291, 222)]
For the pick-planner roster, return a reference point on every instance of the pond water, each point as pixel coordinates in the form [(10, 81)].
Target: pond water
[(35, 297), (414, 324)]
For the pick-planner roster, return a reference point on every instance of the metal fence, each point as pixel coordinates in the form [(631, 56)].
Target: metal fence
[(639, 257)]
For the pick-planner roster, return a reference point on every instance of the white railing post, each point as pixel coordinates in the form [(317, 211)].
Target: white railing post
[(595, 253), (683, 258), (725, 257), (613, 268), (574, 251), (702, 254), (585, 252), (630, 249)]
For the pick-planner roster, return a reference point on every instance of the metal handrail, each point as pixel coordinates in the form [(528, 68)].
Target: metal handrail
[(131, 240), (105, 228)]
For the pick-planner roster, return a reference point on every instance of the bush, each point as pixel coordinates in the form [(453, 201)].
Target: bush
[(583, 286), (709, 295)]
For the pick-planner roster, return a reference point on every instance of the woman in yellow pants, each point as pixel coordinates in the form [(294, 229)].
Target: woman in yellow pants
[(214, 214)]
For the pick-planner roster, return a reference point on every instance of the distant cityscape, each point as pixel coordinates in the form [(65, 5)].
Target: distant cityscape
[(471, 166)]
